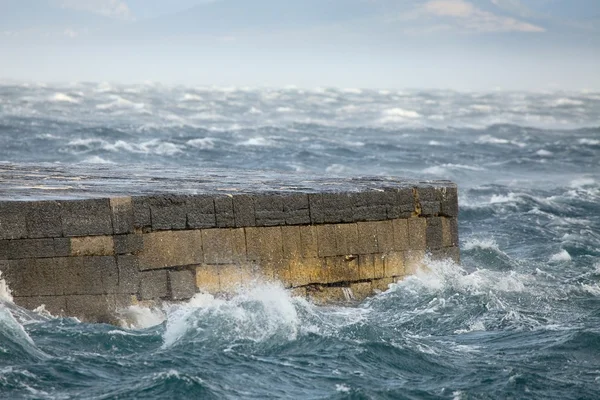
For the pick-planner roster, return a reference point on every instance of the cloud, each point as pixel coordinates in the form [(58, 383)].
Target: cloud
[(109, 8), (467, 17)]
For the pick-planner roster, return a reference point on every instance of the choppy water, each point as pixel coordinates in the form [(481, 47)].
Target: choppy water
[(520, 318)]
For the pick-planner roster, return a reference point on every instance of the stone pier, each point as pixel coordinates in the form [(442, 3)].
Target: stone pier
[(88, 242)]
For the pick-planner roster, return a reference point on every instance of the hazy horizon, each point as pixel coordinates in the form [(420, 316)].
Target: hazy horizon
[(474, 45)]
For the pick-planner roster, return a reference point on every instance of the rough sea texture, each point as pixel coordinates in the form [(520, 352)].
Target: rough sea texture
[(520, 318)]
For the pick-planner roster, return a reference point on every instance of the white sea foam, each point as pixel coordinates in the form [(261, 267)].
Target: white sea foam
[(479, 243), (565, 101), (563, 255), (64, 98), (582, 182), (5, 292), (482, 107), (190, 97), (340, 387), (589, 142), (96, 160), (257, 141), (544, 153), (120, 103), (140, 317), (400, 114)]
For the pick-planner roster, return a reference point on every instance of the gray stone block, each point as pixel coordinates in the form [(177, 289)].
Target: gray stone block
[(30, 248), (87, 275), (3, 249), (91, 308), (447, 253), (13, 223), (128, 244), (43, 220), (86, 217), (434, 233), (168, 213), (430, 208), (141, 212), (183, 284), (153, 285), (331, 208), (55, 305), (129, 274), (449, 202), (31, 277), (403, 203), (296, 209), (200, 212), (224, 212), (243, 208), (269, 210), (122, 215), (62, 247)]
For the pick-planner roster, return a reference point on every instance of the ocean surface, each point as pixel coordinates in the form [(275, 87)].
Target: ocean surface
[(518, 319)]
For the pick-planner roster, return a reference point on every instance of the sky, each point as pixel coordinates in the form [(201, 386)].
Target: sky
[(537, 45)]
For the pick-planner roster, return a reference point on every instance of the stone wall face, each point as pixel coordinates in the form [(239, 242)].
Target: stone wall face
[(87, 258)]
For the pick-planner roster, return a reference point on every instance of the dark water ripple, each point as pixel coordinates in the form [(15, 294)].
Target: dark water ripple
[(519, 318)]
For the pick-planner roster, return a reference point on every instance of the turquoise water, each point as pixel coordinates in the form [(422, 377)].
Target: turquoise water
[(519, 318)]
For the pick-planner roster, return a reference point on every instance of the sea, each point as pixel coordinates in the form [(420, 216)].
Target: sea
[(518, 318)]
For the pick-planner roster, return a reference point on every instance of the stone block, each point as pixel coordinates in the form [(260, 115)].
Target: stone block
[(225, 217), (264, 243), (55, 305), (122, 215), (269, 210), (92, 246), (238, 245), (446, 253), (201, 212), (276, 270), (243, 210), (230, 278), (371, 206), (434, 233), (292, 243), (129, 274), (394, 264), (154, 285), (430, 208), (361, 290), (128, 244), (306, 271), (298, 292), (91, 308), (43, 220), (296, 209), (366, 266), (171, 249), (346, 239), (414, 261), (31, 277), (450, 232), (218, 246), (86, 217), (30, 248), (331, 208), (403, 204), (449, 201), (367, 237), (385, 236), (142, 219), (400, 228), (379, 266), (168, 213), (417, 233), (327, 240), (207, 278), (86, 275), (13, 223), (322, 295), (3, 249), (308, 241), (62, 247), (183, 284), (341, 269)]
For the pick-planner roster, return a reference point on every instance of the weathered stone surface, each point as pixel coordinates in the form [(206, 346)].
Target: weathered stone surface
[(30, 248), (269, 210), (219, 244), (417, 233), (446, 253), (92, 246), (168, 213), (403, 203), (341, 269), (207, 278), (141, 212), (122, 215), (305, 271), (243, 209), (371, 206), (183, 284), (292, 242), (265, 243), (361, 290), (393, 263), (382, 285), (400, 228), (276, 270), (86, 217), (91, 308), (296, 209), (327, 240), (201, 212), (86, 275), (434, 233), (413, 261), (128, 244), (170, 249), (331, 208), (129, 274), (43, 219), (450, 232), (326, 295), (366, 266), (31, 277), (449, 201), (385, 237), (308, 242), (13, 223), (154, 285), (346, 236), (3, 249), (62, 247), (224, 214), (367, 238)]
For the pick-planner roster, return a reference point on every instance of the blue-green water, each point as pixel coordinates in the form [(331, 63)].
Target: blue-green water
[(519, 318)]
